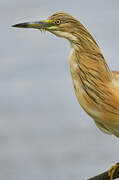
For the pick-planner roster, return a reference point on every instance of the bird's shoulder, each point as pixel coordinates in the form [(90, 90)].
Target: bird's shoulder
[(114, 88), (115, 77)]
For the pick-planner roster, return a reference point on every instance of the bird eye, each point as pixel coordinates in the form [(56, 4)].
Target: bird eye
[(58, 21)]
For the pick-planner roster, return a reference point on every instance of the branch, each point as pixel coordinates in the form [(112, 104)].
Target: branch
[(104, 176)]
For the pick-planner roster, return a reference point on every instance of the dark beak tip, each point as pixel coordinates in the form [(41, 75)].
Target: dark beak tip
[(21, 25), (13, 25)]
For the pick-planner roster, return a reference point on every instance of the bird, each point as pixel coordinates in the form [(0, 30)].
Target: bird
[(96, 86)]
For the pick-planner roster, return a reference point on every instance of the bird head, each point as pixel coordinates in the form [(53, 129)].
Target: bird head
[(61, 24)]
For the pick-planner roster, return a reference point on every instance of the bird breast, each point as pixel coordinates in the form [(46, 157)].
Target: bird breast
[(81, 95)]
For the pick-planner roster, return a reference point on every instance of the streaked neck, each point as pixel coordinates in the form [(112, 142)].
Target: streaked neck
[(88, 53)]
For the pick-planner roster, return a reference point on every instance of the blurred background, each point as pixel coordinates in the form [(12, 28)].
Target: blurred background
[(44, 133)]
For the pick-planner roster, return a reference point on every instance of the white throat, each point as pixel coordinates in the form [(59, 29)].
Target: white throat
[(65, 35)]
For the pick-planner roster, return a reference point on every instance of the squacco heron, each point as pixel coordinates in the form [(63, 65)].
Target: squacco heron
[(96, 86)]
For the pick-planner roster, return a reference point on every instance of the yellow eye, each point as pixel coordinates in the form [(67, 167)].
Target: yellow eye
[(58, 21)]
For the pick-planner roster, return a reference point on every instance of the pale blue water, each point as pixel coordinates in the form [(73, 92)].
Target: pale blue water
[(44, 133)]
